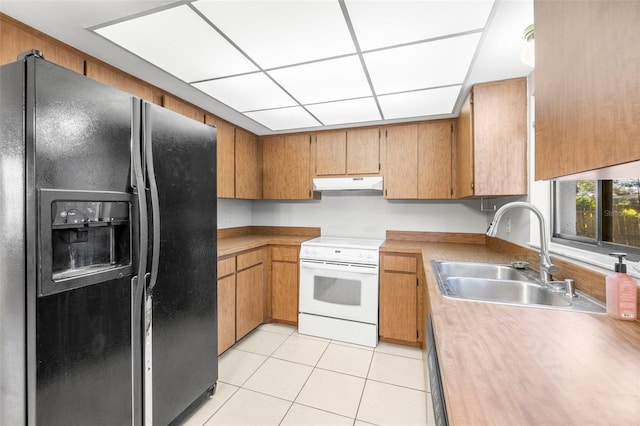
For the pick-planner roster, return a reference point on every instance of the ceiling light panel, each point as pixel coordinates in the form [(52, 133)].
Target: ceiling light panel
[(284, 118), (430, 64), (343, 112), (178, 41), (247, 92), (420, 103), (278, 33), (388, 23), (330, 80)]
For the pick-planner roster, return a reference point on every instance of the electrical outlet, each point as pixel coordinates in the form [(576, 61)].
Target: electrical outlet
[(508, 226)]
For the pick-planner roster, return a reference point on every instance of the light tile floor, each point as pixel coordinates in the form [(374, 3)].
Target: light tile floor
[(276, 376)]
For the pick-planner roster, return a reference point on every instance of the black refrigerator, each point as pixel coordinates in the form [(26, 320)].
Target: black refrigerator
[(108, 254)]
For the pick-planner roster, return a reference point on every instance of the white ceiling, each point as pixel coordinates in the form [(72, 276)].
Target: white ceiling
[(274, 66)]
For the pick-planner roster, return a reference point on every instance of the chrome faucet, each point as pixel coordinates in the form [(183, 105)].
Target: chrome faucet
[(546, 267)]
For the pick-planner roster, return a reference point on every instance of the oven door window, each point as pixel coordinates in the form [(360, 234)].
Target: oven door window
[(337, 291)]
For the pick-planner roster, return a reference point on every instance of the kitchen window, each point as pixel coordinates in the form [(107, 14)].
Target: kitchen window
[(599, 215)]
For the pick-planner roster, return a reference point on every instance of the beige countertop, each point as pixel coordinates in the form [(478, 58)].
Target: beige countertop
[(512, 365), (232, 245)]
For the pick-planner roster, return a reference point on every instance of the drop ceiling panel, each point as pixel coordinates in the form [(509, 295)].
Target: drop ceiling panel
[(421, 103), (343, 112), (178, 41), (430, 64), (284, 118), (247, 92), (329, 80), (388, 23), (277, 33)]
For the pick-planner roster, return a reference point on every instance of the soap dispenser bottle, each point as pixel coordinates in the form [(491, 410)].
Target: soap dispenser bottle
[(622, 292)]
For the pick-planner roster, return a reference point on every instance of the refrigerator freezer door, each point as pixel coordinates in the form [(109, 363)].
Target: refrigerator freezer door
[(80, 359), (13, 386), (184, 318)]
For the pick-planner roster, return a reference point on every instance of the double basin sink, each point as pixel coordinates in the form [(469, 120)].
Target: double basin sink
[(505, 284)]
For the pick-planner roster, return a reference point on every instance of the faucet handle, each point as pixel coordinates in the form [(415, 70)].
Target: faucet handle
[(570, 289), (553, 269)]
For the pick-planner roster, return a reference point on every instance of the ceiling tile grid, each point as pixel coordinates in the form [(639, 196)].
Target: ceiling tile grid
[(305, 64)]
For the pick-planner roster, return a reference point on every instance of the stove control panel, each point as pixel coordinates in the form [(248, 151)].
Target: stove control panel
[(338, 254)]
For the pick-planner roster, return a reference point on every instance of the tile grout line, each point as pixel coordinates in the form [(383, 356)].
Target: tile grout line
[(305, 382), (366, 379)]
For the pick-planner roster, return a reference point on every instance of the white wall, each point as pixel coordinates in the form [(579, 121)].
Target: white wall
[(233, 213), (370, 216)]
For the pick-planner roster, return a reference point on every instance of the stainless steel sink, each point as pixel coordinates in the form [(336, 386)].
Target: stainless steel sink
[(504, 291), (481, 270), (500, 283)]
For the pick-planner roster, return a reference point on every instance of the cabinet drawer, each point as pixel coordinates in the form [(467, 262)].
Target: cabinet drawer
[(284, 254), (226, 266), (399, 263), (249, 259)]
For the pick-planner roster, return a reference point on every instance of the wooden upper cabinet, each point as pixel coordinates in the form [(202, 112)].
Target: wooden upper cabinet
[(434, 159), (587, 86), (401, 170), (248, 174), (116, 78), (363, 151), (286, 170), (418, 160), (352, 152), (491, 142), (331, 153), (225, 150), (181, 107)]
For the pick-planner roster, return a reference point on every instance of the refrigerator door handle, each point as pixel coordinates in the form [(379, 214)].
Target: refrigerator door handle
[(139, 280), (139, 186), (155, 201)]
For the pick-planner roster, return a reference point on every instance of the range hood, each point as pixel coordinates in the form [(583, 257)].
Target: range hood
[(370, 183)]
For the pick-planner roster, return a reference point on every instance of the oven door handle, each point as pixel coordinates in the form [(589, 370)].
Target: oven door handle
[(339, 266)]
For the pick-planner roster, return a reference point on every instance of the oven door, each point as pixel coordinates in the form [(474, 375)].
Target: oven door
[(338, 290)]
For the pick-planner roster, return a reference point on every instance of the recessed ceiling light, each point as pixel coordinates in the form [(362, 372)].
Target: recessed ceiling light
[(389, 23), (178, 41), (284, 118), (330, 80), (421, 103), (349, 111), (430, 64), (277, 33), (247, 92)]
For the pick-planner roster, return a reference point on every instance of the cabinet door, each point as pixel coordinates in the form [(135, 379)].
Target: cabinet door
[(331, 153), (248, 166), (587, 91), (284, 290), (226, 313), (286, 170), (225, 152), (363, 151), (434, 159), (463, 176), (500, 137), (249, 299), (398, 306), (401, 171)]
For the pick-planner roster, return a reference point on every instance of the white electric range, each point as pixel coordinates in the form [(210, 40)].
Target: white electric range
[(339, 289)]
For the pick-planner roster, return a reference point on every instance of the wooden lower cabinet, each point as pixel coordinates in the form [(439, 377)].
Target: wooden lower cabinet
[(226, 313), (249, 300), (400, 306), (241, 296), (284, 284), (250, 291)]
